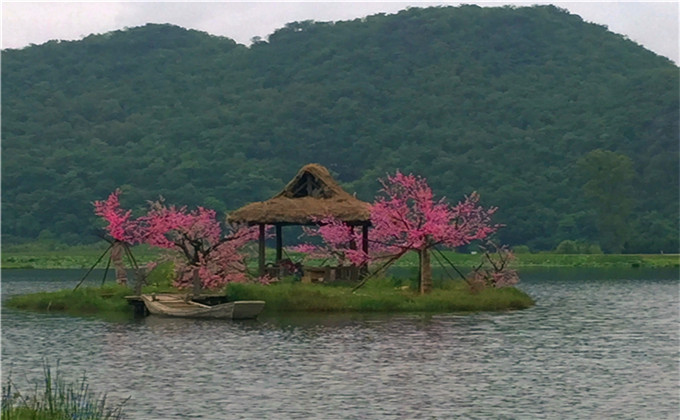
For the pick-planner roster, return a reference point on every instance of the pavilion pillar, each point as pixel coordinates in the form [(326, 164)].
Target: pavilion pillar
[(279, 244), (260, 253), (352, 242)]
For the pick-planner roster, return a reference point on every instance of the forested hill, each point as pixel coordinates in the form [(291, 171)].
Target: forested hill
[(571, 130)]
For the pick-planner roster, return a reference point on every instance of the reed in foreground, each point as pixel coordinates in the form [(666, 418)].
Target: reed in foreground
[(57, 400)]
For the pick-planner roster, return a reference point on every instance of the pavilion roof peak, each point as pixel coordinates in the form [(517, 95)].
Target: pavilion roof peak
[(312, 180), (311, 195)]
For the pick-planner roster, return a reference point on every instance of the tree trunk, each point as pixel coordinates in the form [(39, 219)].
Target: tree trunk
[(118, 264), (425, 271)]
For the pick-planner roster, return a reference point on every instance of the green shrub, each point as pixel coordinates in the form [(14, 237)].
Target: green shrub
[(594, 249), (577, 247), (521, 249), (566, 247), (162, 276)]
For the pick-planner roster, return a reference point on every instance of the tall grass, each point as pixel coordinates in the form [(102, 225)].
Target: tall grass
[(108, 299), (57, 400), (384, 295)]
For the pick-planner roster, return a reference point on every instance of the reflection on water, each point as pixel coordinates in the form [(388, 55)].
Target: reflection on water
[(599, 344)]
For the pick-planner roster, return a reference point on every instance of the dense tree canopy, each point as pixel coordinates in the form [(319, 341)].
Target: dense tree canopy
[(504, 101)]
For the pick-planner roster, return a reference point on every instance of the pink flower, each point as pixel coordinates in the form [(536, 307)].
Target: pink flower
[(119, 224), (405, 217), (195, 236)]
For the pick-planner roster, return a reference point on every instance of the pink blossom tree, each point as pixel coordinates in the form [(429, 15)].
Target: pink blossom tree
[(122, 228), (204, 250), (120, 224), (407, 218), (201, 247), (339, 242)]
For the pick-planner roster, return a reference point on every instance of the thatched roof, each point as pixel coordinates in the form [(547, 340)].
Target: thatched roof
[(312, 193)]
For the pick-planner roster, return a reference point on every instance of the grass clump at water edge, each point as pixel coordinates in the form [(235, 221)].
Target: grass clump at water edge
[(57, 400), (108, 299), (379, 296)]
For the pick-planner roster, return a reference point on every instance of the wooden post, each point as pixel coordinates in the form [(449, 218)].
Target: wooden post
[(364, 247), (118, 264), (140, 279), (279, 244), (261, 251), (352, 242), (196, 282)]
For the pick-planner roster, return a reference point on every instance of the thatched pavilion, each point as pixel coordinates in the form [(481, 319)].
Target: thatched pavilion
[(310, 195)]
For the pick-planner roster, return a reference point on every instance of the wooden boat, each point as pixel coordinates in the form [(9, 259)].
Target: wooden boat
[(179, 306)]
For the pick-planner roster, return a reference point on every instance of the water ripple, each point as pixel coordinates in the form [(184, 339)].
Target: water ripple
[(596, 348)]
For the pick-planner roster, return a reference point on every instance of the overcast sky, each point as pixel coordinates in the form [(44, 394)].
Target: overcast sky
[(651, 24)]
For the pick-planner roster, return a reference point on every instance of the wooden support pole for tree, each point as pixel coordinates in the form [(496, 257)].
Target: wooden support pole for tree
[(106, 270), (93, 266), (279, 244), (261, 251)]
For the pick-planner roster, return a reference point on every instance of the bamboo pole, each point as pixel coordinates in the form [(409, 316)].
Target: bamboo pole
[(92, 268), (106, 270)]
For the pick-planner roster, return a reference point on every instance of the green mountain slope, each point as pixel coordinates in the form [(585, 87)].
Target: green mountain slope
[(509, 102)]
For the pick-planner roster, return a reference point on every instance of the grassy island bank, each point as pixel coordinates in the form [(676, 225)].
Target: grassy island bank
[(108, 300), (381, 295)]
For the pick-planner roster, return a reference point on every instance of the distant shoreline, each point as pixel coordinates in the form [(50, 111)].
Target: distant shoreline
[(84, 258)]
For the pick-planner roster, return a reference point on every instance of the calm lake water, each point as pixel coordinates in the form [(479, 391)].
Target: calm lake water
[(598, 344)]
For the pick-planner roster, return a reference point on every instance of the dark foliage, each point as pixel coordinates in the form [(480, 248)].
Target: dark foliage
[(505, 101)]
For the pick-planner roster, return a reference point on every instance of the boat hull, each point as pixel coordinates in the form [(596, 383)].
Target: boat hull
[(176, 306)]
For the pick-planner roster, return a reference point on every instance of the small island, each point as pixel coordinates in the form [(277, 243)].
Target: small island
[(356, 243)]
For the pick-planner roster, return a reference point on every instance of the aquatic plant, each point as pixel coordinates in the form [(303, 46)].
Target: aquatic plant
[(57, 400)]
